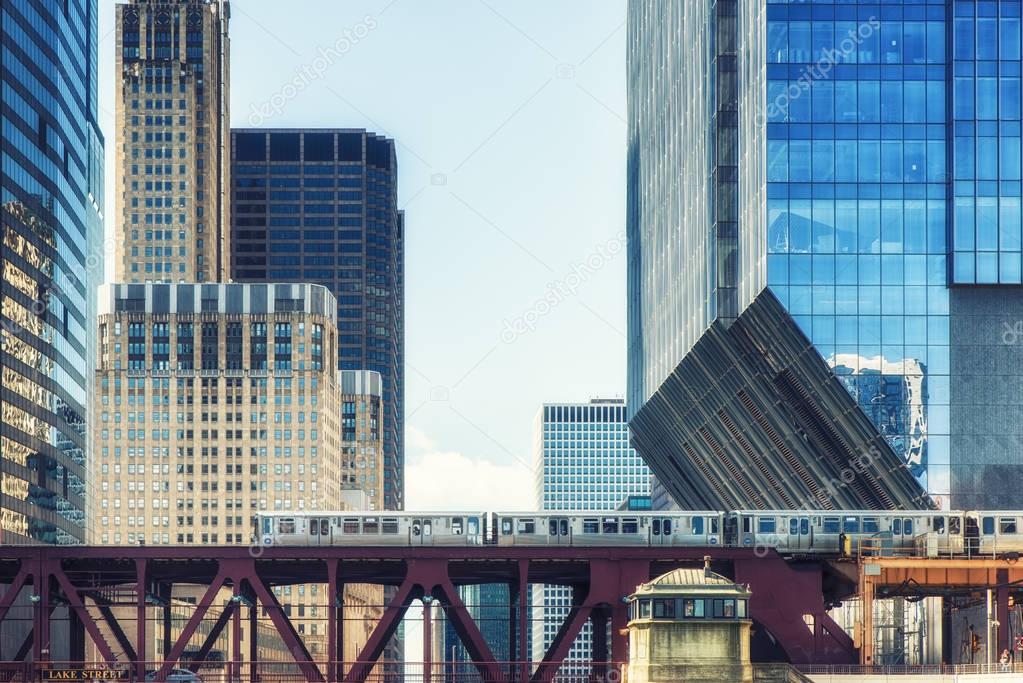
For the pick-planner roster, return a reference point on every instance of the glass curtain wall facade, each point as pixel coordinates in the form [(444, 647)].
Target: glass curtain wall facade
[(583, 462), (879, 179), (857, 186), (320, 206), (52, 260)]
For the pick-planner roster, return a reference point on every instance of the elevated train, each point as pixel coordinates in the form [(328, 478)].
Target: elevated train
[(790, 532)]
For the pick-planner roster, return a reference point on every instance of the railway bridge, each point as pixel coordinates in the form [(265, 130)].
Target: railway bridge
[(786, 596), (790, 598)]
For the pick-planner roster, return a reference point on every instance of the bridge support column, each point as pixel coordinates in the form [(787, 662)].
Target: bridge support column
[(141, 586), (523, 613), (236, 633), (427, 639), (598, 643), (335, 621), (166, 594), (254, 640), (1002, 613)]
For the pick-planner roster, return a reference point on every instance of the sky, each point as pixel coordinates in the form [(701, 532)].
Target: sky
[(509, 121)]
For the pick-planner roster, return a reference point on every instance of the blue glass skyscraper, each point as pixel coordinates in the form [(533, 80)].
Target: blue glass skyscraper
[(52, 261), (859, 160)]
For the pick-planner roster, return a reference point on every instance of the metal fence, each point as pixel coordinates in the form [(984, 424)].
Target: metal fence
[(290, 672)]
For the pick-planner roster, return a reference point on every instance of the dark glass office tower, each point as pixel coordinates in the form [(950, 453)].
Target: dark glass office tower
[(859, 163), (321, 206), (52, 260)]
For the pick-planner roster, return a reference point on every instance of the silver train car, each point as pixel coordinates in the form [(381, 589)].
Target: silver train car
[(789, 532)]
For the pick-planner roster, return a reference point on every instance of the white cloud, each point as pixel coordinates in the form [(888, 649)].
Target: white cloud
[(436, 479)]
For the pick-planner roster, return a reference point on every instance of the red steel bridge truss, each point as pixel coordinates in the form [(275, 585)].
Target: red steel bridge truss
[(788, 601)]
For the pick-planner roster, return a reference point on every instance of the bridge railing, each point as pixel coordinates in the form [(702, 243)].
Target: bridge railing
[(912, 670), (290, 672)]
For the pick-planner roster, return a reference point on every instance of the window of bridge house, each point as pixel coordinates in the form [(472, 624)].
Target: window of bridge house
[(664, 609)]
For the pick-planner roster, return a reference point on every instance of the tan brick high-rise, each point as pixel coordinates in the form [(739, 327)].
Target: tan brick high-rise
[(172, 173), (215, 402)]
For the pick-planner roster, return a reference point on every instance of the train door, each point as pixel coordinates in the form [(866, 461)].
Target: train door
[(319, 531), (558, 531), (799, 533), (661, 531), (421, 531), (903, 531)]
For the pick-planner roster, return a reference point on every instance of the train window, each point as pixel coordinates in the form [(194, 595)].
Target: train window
[(591, 525), (350, 525), (988, 525), (390, 526), (456, 526), (553, 527), (474, 526), (371, 525), (794, 526), (526, 526), (767, 525), (897, 527), (417, 527), (427, 527), (907, 527), (851, 525), (955, 526), (630, 526), (804, 526), (610, 525), (266, 525), (656, 526), (564, 527), (939, 525), (713, 525), (314, 527), (1007, 525), (871, 525), (506, 526), (325, 527), (644, 609), (667, 527), (286, 525), (747, 525), (832, 525), (698, 526)]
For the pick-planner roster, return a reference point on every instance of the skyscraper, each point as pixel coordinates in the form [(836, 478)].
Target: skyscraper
[(52, 261), (217, 401), (583, 462), (850, 163), (320, 206), (172, 121)]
